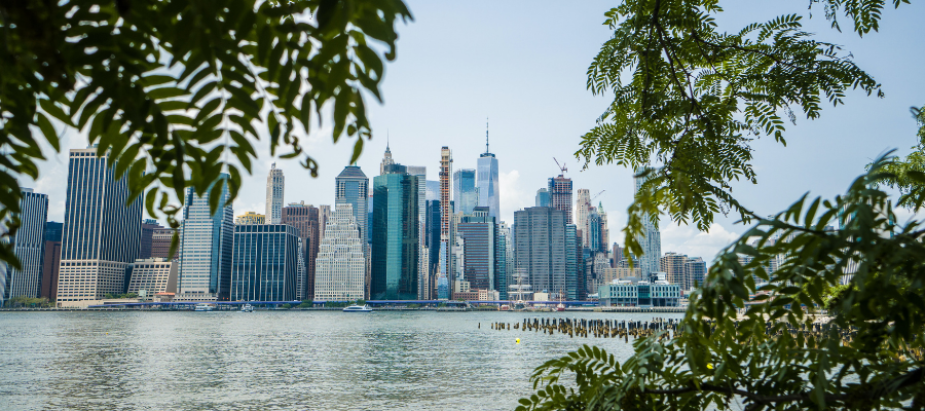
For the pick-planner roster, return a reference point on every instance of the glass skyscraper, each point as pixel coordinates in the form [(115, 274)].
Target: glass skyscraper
[(353, 188), (465, 195), (479, 231), (205, 245), (488, 185), (540, 248), (542, 198), (650, 240), (395, 245), (28, 245), (102, 235), (265, 263)]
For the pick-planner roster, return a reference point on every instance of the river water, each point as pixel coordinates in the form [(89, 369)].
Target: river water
[(293, 360)]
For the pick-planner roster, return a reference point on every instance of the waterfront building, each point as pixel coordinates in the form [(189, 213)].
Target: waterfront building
[(686, 271), (395, 245), (695, 271), (352, 187), (560, 195), (489, 187), (479, 233), (28, 246), (305, 218), (101, 235), (608, 275), (250, 217), (205, 245), (432, 240), (540, 247), (447, 234), (672, 264), (340, 267), (542, 198), (161, 240), (465, 195), (582, 209), (276, 187), (639, 294), (650, 239), (147, 237), (51, 260), (153, 275), (265, 262)]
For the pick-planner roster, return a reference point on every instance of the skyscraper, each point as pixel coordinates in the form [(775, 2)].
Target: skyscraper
[(205, 245), (542, 198), (540, 248), (28, 245), (353, 188), (447, 236), (672, 264), (395, 245), (421, 173), (465, 194), (304, 218), (560, 194), (265, 263), (147, 237), (433, 190), (161, 240), (504, 259), (324, 215), (101, 235), (479, 232), (386, 159), (51, 263), (276, 188), (582, 209), (341, 267), (650, 240), (488, 184), (695, 271)]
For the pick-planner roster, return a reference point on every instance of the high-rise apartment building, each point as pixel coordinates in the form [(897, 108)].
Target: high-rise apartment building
[(672, 264), (695, 271), (101, 235), (28, 246), (51, 260), (276, 189), (479, 232), (341, 267), (542, 198), (304, 218), (489, 188), (575, 280), (421, 173), (353, 188), (250, 217), (465, 195), (205, 245), (582, 209), (650, 239), (560, 195), (540, 248), (447, 234), (153, 275), (265, 263), (395, 246)]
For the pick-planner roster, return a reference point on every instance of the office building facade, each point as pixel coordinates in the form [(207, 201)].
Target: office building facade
[(395, 244), (153, 275), (540, 248), (265, 262), (650, 239), (352, 187), (28, 246), (341, 266), (205, 245), (161, 240), (465, 195), (489, 187), (479, 232), (542, 198), (101, 235), (304, 217), (276, 190)]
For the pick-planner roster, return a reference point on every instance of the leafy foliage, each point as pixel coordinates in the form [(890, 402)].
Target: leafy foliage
[(171, 89), (908, 174), (28, 302), (692, 99), (769, 356)]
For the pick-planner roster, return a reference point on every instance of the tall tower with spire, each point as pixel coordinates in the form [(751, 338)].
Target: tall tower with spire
[(276, 186), (487, 181), (386, 157)]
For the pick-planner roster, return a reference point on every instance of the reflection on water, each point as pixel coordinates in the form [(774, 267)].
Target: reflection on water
[(275, 360)]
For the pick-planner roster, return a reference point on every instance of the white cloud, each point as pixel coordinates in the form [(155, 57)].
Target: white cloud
[(695, 243), (513, 197)]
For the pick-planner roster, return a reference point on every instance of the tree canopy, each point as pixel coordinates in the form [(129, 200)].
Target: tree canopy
[(178, 92), (692, 100)]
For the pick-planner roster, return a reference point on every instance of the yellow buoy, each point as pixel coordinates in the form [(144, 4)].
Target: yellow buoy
[(518, 341), (710, 366)]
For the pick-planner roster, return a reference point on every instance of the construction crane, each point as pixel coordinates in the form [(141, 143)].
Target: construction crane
[(596, 196), (562, 166)]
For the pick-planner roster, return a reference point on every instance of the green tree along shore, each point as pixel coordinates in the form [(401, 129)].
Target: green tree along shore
[(693, 100), (176, 91)]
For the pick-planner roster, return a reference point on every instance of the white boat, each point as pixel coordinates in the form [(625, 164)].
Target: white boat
[(358, 309), (204, 307), (247, 308)]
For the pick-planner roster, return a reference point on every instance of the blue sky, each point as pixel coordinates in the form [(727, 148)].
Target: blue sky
[(523, 64)]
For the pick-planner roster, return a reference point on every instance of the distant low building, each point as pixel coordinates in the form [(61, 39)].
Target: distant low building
[(153, 276), (621, 293)]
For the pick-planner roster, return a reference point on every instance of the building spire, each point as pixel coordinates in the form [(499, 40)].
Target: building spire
[(387, 150), (486, 135)]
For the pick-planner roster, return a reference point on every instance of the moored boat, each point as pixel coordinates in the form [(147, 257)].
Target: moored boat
[(204, 307), (247, 308), (358, 309)]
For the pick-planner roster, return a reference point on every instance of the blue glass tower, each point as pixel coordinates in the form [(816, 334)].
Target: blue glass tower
[(395, 243), (488, 185), (265, 263), (205, 245), (353, 188), (465, 195)]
